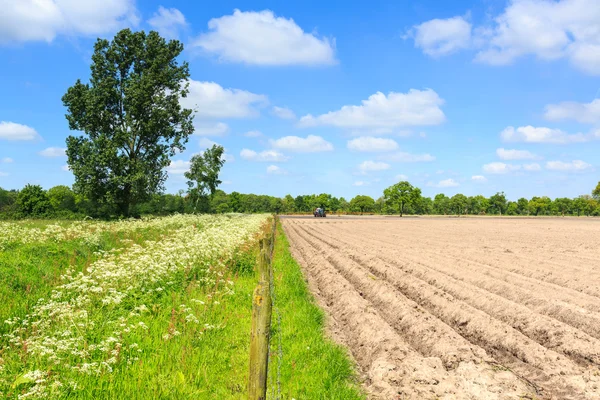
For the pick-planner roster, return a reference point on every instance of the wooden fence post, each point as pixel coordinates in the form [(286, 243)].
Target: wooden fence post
[(262, 307)]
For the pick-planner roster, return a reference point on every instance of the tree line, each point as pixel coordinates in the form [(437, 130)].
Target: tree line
[(402, 198)]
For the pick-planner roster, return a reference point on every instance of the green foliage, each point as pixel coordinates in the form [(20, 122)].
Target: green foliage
[(62, 198), (402, 194), (596, 192), (362, 204), (498, 203), (131, 118), (459, 204), (33, 201), (203, 176), (523, 206)]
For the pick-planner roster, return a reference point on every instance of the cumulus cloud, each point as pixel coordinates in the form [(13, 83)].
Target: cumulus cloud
[(253, 134), (360, 183), (178, 167), (6, 160), (53, 152), (13, 131), (500, 168), (446, 183), (372, 144), (402, 156), (263, 156), (283, 112), (440, 37), (168, 21), (531, 134), (533, 167), (417, 107), (585, 113), (43, 20), (372, 166), (275, 170), (206, 143), (505, 154), (203, 128), (262, 38), (401, 177), (310, 144), (479, 178), (547, 29), (573, 166), (211, 100)]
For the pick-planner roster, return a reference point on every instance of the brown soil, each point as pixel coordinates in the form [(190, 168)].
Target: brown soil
[(460, 308)]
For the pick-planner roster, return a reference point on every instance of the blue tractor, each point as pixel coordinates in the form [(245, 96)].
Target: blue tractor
[(320, 212)]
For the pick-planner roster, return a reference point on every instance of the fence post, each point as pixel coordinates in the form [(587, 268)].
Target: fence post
[(261, 325)]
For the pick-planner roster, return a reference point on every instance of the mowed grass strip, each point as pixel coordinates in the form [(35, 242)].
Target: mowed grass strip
[(311, 366)]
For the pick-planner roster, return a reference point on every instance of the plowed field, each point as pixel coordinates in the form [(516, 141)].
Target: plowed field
[(470, 308)]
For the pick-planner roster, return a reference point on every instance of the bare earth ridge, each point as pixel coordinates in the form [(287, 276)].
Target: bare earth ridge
[(472, 308)]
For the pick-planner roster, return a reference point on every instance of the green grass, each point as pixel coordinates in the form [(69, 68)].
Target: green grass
[(311, 365), (30, 271)]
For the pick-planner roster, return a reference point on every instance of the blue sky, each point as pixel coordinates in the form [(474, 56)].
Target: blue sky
[(340, 97)]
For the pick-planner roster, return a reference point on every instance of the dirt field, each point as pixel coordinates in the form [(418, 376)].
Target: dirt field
[(470, 308)]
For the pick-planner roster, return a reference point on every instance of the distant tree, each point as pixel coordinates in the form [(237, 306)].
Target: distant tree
[(512, 208), (579, 205), (33, 201), (334, 204), (539, 205), (131, 118), (203, 176), (596, 192), (7, 198), (563, 205), (62, 198), (523, 206), (219, 202), (401, 194), (288, 204), (344, 205), (424, 206), (362, 203), (300, 204), (441, 204), (459, 204), (498, 202)]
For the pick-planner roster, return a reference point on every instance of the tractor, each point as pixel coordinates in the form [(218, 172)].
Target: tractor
[(319, 212)]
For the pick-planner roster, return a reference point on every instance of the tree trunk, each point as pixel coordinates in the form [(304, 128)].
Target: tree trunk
[(401, 209)]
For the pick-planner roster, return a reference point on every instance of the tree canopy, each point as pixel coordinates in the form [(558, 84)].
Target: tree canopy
[(401, 194), (131, 119), (203, 176)]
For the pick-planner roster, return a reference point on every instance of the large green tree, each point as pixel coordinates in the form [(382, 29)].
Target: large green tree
[(362, 203), (498, 202), (203, 176), (596, 192), (33, 201), (401, 194), (131, 119)]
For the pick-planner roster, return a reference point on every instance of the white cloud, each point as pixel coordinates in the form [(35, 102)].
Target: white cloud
[(253, 134), (14, 131), (178, 167), (479, 178), (210, 128), (310, 144), (372, 166), (417, 107), (369, 143), (53, 152), (283, 112), (573, 166), (360, 183), (532, 167), (401, 177), (505, 154), (65, 168), (206, 143), (2, 173), (275, 170), (6, 160), (168, 21), (500, 168), (43, 20), (585, 113), (211, 100), (402, 156), (261, 38), (263, 156), (547, 29), (531, 134), (446, 183), (440, 37)]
